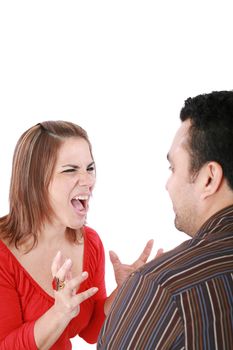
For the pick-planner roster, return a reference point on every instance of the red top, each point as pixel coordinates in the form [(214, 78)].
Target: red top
[(23, 301)]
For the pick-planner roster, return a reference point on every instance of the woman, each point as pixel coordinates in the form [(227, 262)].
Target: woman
[(52, 266)]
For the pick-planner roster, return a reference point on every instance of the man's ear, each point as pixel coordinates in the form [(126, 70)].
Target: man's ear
[(212, 178)]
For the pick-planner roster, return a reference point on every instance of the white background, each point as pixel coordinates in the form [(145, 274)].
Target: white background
[(121, 69)]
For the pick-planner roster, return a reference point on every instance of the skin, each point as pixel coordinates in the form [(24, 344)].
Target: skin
[(180, 185), (74, 174), (195, 197)]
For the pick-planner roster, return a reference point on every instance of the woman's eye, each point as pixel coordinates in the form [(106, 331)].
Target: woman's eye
[(91, 169), (68, 170)]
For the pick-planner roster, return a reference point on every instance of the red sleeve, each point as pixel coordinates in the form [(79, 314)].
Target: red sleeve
[(96, 263), (14, 334)]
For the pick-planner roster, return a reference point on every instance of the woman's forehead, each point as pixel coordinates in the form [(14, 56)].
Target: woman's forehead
[(74, 147)]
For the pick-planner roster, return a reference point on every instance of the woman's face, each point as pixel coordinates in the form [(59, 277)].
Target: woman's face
[(72, 183)]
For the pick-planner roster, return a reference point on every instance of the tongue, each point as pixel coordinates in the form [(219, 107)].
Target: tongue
[(77, 204)]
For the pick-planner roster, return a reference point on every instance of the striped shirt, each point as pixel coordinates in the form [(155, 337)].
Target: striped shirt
[(181, 300)]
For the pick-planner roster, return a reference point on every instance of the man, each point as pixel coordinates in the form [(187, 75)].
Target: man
[(184, 298)]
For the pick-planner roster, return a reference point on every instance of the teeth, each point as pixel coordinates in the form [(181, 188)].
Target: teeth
[(81, 197)]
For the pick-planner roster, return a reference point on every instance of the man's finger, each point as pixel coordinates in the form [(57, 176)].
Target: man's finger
[(159, 252), (146, 251), (114, 258)]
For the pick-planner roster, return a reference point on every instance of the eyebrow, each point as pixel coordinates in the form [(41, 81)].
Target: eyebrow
[(70, 165), (76, 166)]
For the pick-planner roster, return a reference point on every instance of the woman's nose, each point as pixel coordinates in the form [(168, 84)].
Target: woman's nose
[(85, 179)]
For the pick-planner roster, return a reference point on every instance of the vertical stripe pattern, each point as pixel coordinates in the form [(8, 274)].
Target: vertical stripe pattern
[(181, 300)]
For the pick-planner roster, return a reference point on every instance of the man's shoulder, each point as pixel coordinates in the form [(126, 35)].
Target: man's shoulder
[(191, 263)]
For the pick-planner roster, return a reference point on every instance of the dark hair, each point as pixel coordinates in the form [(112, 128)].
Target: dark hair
[(34, 159), (211, 131)]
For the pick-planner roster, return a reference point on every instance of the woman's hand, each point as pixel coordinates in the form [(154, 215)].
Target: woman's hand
[(49, 327), (67, 300), (122, 271)]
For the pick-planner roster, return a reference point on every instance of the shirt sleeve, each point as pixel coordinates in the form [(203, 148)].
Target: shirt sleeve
[(143, 316), (14, 334), (97, 278)]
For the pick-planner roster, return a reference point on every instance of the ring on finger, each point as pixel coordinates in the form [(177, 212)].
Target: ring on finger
[(57, 284)]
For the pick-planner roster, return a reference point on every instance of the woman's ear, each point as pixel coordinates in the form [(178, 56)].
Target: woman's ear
[(212, 178)]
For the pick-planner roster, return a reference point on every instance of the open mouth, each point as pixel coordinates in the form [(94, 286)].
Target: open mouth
[(80, 202)]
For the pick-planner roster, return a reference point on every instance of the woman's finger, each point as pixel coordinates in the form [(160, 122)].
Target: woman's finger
[(56, 263), (64, 270), (71, 286), (80, 297)]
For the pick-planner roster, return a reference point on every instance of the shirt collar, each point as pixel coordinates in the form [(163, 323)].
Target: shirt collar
[(222, 222)]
